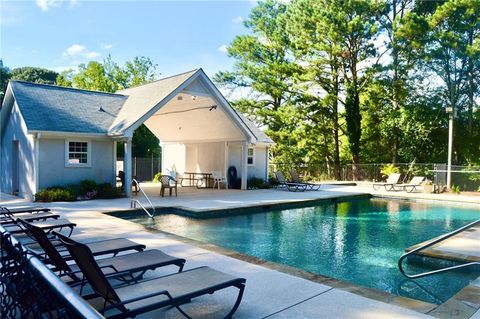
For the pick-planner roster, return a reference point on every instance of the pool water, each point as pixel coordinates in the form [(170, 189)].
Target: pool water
[(358, 241)]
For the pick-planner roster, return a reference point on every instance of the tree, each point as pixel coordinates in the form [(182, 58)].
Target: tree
[(442, 39), (316, 47), (4, 78), (396, 72), (33, 74), (92, 76), (263, 67)]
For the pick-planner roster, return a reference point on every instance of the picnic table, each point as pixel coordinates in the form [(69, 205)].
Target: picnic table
[(200, 180)]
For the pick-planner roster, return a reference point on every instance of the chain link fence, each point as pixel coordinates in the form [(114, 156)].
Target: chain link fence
[(467, 178)]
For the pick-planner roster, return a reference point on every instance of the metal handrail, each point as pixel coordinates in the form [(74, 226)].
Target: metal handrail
[(429, 244), (133, 202)]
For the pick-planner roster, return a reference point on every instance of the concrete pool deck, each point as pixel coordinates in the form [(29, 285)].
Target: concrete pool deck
[(269, 293)]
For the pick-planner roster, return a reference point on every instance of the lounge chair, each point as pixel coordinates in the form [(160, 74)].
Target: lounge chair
[(26, 209), (411, 186), (293, 187), (9, 218), (48, 225), (296, 179), (131, 266), (134, 299), (42, 244), (392, 180), (168, 182), (218, 179)]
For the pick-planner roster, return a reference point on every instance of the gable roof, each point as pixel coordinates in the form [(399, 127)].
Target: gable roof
[(141, 99), (60, 109), (256, 131)]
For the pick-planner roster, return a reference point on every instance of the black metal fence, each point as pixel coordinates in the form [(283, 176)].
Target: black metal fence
[(467, 178), (143, 168), (28, 289)]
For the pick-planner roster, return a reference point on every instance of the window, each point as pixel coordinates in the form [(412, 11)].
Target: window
[(251, 156), (77, 153)]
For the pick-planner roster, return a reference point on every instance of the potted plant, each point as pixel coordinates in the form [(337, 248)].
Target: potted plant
[(428, 186)]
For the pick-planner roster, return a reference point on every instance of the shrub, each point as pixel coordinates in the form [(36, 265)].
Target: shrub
[(389, 169), (55, 194), (107, 191), (156, 178), (255, 182), (455, 189), (86, 186)]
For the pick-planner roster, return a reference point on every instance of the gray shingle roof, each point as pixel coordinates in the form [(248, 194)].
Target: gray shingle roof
[(60, 109)]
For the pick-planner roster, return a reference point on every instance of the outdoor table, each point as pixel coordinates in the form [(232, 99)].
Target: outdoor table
[(200, 180)]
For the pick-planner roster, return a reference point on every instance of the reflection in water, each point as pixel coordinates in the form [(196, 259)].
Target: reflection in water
[(358, 241)]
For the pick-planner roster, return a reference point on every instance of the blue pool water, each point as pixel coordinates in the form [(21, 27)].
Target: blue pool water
[(358, 241)]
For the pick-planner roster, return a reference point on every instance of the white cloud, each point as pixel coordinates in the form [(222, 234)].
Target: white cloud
[(45, 5), (107, 46), (78, 50), (223, 48), (237, 20)]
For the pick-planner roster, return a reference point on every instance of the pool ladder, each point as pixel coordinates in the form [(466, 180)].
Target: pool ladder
[(431, 243), (134, 202)]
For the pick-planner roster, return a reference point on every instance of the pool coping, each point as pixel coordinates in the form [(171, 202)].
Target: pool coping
[(205, 213), (460, 306)]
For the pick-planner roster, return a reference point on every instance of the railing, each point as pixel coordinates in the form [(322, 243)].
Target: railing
[(467, 178), (434, 242), (134, 202)]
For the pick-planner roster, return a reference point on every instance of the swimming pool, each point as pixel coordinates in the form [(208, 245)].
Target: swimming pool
[(358, 240)]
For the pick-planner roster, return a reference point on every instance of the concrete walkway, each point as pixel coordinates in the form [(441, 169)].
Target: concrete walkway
[(269, 293)]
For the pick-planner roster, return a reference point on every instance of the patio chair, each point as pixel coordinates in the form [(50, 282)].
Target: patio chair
[(411, 186), (296, 179), (7, 217), (43, 243), (137, 298), (168, 182), (218, 179), (292, 187), (392, 180), (22, 210), (129, 266), (121, 178), (49, 225)]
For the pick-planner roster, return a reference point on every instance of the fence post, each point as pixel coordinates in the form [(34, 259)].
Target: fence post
[(135, 166), (151, 170)]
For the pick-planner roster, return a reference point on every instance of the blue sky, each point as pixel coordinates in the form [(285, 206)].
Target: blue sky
[(177, 35)]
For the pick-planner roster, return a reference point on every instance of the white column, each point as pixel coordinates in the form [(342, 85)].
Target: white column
[(127, 167), (114, 155), (266, 164), (450, 149), (226, 165), (244, 165)]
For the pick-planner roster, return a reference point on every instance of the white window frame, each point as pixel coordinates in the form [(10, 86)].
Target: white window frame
[(89, 153), (252, 156)]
